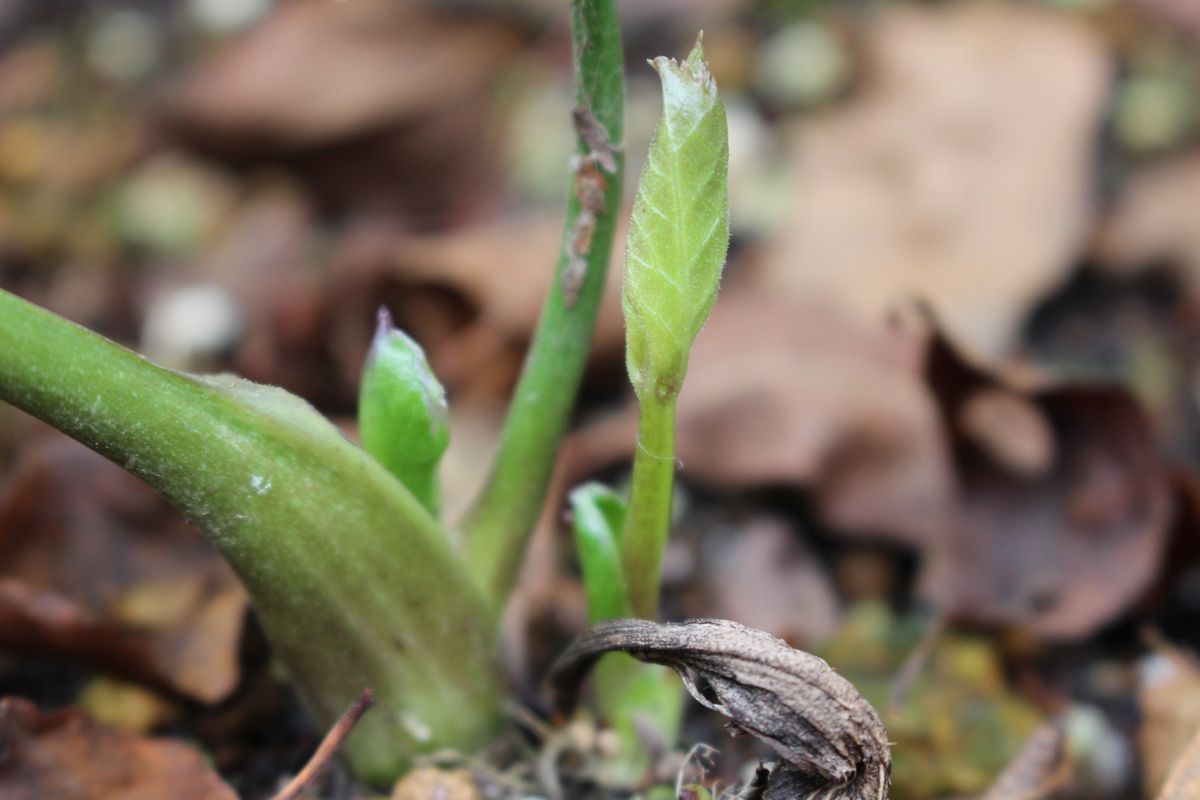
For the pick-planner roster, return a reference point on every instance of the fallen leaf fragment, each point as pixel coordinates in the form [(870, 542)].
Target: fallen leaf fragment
[(65, 756), (94, 565), (765, 575), (380, 62), (830, 738), (934, 183), (1064, 504), (1150, 225)]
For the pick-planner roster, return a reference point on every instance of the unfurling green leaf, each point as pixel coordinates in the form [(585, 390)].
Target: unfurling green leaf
[(599, 515), (402, 414), (680, 229)]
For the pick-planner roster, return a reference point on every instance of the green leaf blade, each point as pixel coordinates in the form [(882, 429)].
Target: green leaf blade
[(599, 516), (679, 233)]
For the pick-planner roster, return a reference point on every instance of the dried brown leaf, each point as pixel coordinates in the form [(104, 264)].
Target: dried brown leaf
[(935, 182), (1059, 545), (1150, 225), (381, 62), (94, 565), (831, 740), (66, 756)]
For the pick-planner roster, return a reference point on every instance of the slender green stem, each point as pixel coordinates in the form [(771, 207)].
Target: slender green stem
[(649, 517), (355, 583), (498, 526)]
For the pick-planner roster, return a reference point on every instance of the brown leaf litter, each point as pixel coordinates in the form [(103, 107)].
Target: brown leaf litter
[(94, 565), (65, 756), (935, 183), (1065, 506)]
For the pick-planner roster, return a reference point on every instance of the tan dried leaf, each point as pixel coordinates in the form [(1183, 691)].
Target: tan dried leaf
[(960, 174)]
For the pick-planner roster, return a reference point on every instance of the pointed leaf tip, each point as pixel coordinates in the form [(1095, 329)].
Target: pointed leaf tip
[(383, 322), (680, 228)]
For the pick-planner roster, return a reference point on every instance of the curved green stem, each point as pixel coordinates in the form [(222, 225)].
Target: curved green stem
[(355, 583)]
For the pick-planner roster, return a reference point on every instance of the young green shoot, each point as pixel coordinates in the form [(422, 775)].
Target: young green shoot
[(678, 239)]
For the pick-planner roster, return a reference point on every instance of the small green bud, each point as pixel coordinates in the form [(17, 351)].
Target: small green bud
[(679, 233), (402, 412)]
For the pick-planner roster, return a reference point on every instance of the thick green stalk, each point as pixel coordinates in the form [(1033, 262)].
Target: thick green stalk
[(356, 585), (504, 515), (649, 515)]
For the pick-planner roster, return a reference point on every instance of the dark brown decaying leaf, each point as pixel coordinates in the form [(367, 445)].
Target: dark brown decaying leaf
[(94, 565), (66, 756), (831, 740), (1058, 533), (1184, 780), (1037, 771)]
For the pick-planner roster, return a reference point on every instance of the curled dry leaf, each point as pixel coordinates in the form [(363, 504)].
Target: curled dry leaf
[(66, 756), (831, 741), (1064, 509), (95, 565)]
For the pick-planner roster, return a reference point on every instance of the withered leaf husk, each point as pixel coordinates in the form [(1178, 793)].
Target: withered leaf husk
[(831, 741)]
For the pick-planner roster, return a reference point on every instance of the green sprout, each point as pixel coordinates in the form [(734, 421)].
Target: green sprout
[(676, 248), (402, 415), (677, 243)]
